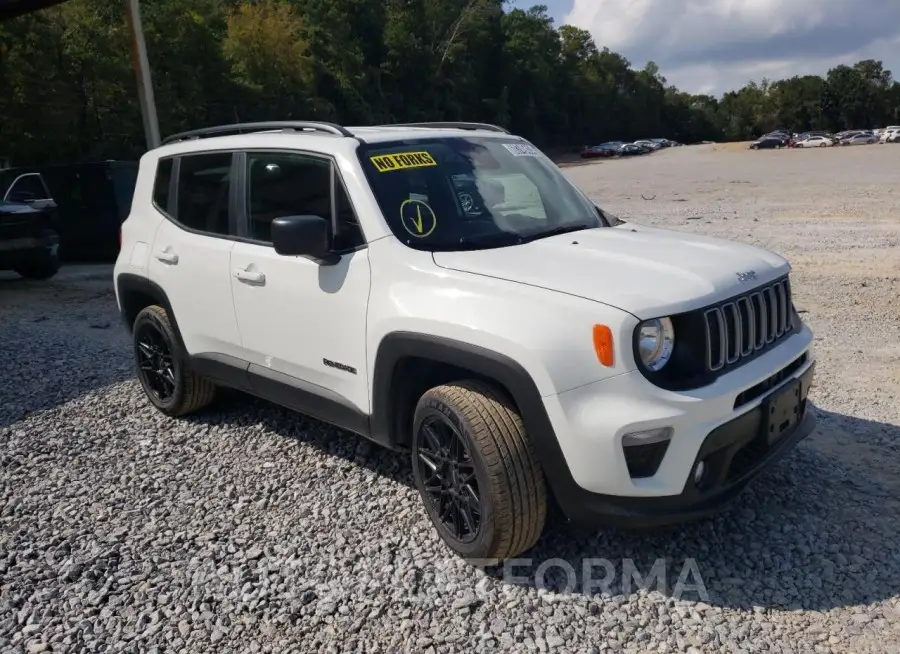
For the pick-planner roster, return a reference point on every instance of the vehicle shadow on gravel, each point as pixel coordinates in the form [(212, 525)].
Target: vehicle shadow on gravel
[(232, 407), (814, 533)]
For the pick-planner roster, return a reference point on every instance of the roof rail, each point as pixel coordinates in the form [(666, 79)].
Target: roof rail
[(454, 125), (243, 128)]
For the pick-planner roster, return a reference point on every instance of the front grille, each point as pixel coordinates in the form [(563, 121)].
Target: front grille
[(747, 324)]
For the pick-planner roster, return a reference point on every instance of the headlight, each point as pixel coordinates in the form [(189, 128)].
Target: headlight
[(655, 342)]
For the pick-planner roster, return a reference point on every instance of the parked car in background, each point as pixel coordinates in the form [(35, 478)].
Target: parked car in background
[(769, 142), (599, 151), (29, 239), (652, 146), (814, 142), (89, 201), (888, 133), (860, 138), (630, 150), (805, 135)]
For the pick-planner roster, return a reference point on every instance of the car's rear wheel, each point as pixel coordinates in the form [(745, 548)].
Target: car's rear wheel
[(166, 377), (476, 471)]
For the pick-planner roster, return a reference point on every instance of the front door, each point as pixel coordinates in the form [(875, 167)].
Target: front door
[(299, 320)]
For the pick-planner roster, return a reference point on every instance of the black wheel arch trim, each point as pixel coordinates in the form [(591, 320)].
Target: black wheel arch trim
[(491, 365), (131, 285)]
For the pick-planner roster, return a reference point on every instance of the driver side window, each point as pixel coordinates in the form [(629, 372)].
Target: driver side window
[(286, 184)]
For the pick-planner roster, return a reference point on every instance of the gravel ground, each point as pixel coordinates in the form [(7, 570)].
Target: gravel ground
[(250, 529)]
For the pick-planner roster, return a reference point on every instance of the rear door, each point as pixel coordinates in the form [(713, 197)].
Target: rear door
[(191, 252)]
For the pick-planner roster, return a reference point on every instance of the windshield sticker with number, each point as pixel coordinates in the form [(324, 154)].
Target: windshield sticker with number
[(522, 149), (385, 163)]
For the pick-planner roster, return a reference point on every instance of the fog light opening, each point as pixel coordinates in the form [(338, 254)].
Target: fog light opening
[(645, 450), (699, 473)]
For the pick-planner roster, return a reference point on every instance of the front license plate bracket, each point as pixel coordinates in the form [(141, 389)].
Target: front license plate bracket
[(782, 411)]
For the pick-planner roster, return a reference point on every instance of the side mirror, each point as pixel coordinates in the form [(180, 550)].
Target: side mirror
[(304, 236)]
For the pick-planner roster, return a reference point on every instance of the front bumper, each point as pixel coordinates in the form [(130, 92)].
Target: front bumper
[(735, 453), (721, 425)]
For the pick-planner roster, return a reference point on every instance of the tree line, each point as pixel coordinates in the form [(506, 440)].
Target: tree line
[(68, 92)]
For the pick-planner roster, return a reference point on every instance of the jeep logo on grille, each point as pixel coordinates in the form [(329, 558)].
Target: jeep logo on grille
[(748, 276)]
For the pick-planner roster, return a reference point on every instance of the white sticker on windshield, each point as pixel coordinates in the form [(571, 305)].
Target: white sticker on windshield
[(522, 149)]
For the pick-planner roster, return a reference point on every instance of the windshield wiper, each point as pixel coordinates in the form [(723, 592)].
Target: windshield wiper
[(556, 231)]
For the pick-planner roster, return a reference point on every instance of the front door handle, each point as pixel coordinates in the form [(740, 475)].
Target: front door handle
[(252, 276), (167, 256)]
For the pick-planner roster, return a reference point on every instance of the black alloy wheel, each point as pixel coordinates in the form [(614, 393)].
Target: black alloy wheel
[(475, 468), (155, 365), (166, 375), (449, 478)]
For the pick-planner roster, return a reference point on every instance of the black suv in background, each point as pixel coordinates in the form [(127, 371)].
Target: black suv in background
[(770, 141), (29, 240)]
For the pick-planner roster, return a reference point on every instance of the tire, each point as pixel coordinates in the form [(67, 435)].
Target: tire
[(510, 494), (173, 387), (41, 268)]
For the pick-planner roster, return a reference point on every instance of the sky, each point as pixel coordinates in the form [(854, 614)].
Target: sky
[(713, 46)]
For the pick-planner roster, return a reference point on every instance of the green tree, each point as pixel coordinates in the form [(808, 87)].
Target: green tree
[(69, 89)]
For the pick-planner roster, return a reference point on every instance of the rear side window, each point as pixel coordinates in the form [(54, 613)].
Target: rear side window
[(27, 187), (162, 184), (204, 184)]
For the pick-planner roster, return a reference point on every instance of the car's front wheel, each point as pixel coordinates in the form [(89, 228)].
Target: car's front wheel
[(475, 468), (166, 377), (41, 267)]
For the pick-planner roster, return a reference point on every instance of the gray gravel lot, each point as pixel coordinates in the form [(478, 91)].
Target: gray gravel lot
[(250, 529)]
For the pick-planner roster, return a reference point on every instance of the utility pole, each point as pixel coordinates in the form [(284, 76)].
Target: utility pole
[(142, 73)]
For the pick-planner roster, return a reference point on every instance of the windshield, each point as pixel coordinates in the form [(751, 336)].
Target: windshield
[(471, 193)]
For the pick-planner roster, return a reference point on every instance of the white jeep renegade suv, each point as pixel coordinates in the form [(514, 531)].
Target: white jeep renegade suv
[(443, 289)]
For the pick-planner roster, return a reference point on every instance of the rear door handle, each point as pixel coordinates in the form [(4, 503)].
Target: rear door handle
[(253, 277), (167, 256)]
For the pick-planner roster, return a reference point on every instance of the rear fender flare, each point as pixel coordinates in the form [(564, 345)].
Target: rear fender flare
[(134, 286)]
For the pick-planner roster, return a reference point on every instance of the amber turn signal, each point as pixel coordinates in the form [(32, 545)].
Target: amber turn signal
[(603, 345)]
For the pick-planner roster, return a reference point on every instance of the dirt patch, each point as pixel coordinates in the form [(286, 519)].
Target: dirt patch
[(856, 262), (731, 147), (569, 160)]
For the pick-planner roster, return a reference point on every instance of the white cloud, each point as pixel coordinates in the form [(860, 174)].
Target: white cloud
[(718, 45)]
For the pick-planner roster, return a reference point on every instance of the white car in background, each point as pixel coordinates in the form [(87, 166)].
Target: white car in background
[(815, 142), (890, 134)]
